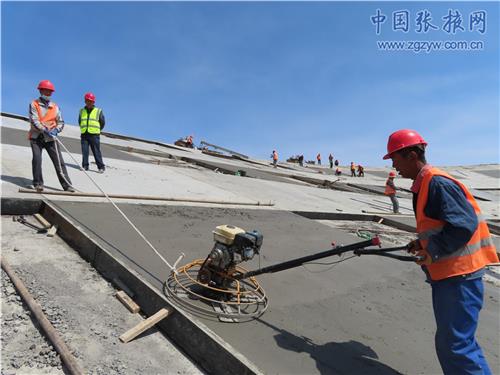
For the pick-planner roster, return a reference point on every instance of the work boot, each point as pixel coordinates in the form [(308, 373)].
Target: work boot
[(101, 170), (39, 188), (69, 188)]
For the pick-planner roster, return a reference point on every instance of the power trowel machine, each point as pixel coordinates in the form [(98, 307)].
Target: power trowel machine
[(218, 286)]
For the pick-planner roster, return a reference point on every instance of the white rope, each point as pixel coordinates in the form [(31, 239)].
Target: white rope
[(172, 268), (61, 172)]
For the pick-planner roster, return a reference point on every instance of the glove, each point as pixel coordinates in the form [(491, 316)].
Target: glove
[(54, 132)]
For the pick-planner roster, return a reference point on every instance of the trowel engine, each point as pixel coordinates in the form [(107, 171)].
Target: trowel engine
[(232, 246)]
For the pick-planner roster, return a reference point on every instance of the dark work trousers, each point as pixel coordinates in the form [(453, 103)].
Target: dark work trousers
[(94, 140), (37, 145), (395, 203)]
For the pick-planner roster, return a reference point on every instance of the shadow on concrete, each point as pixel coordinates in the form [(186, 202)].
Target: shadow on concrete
[(22, 182), (351, 357), (74, 166)]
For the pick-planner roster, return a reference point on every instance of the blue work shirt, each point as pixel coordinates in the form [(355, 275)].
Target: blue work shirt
[(447, 202)]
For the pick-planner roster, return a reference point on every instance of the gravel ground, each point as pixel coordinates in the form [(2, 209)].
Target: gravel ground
[(81, 306)]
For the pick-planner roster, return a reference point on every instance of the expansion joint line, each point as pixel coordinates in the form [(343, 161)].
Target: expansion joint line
[(172, 268)]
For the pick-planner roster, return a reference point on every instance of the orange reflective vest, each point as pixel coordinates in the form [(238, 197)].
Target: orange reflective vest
[(49, 120), (389, 190), (275, 155), (477, 253)]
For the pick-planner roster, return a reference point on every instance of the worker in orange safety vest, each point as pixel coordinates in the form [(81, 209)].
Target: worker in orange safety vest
[(46, 123), (274, 156), (390, 191), (353, 169), (454, 239)]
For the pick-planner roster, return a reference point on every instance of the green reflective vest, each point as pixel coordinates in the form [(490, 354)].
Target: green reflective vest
[(89, 122)]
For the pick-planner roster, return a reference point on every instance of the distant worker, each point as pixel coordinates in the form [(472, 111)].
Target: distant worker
[(336, 162), (456, 243), (189, 141), (91, 120), (46, 123), (361, 171), (318, 158), (274, 156), (338, 172), (390, 191), (330, 159), (353, 169), (301, 160)]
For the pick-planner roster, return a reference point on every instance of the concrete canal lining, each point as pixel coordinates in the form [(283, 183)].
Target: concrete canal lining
[(365, 315)]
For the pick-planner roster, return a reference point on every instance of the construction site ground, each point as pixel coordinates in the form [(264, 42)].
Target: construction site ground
[(365, 315), (82, 307)]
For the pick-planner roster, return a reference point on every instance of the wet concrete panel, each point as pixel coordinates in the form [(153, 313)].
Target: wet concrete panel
[(365, 315), (495, 173), (18, 137)]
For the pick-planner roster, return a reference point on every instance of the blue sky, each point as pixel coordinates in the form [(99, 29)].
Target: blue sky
[(298, 77)]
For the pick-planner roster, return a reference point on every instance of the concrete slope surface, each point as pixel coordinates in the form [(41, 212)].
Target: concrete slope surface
[(365, 315)]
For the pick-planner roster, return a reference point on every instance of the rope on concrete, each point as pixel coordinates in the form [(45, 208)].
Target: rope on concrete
[(49, 330), (117, 208)]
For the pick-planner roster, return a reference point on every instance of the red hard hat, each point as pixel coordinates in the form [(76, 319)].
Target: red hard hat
[(47, 85), (90, 96), (392, 174), (402, 139)]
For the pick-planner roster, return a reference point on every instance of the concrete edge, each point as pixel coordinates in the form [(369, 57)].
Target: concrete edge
[(315, 215), (387, 220), (206, 348), (361, 217)]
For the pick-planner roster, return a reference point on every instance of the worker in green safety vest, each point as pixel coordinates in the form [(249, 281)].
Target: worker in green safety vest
[(91, 120)]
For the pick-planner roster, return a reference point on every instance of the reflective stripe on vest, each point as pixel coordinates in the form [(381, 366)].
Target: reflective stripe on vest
[(89, 123), (389, 190), (49, 119), (473, 256)]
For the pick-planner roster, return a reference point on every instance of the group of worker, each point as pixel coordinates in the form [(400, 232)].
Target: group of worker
[(453, 239), (300, 158), (46, 123)]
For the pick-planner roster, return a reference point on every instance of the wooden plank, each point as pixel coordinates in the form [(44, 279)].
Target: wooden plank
[(52, 231), (144, 325), (145, 197), (42, 221), (127, 301), (385, 213)]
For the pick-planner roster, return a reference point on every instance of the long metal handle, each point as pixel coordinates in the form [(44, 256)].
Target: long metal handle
[(299, 261), (385, 252)]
